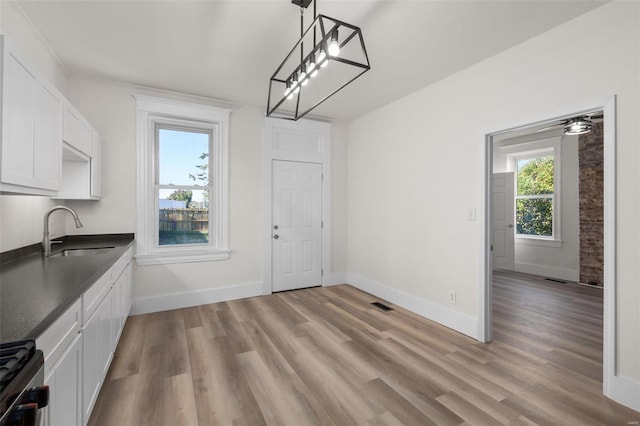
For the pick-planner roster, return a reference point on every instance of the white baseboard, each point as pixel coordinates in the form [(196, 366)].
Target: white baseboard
[(167, 302), (548, 271), (626, 392), (455, 320), (334, 279)]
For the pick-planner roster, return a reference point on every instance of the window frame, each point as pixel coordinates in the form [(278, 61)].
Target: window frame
[(554, 151), (153, 114)]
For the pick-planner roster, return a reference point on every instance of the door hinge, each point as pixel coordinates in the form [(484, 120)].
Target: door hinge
[(491, 247), (322, 224)]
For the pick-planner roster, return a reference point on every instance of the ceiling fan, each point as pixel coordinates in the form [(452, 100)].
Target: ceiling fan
[(577, 125)]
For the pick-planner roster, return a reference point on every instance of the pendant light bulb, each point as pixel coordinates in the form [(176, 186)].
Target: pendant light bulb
[(322, 55), (312, 63), (288, 89), (305, 82), (314, 73), (303, 75), (334, 48)]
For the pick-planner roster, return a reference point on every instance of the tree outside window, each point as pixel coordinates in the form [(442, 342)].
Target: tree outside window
[(534, 196)]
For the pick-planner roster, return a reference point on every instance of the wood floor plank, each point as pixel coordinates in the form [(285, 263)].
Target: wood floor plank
[(126, 361), (281, 400), (326, 356), (466, 410), (402, 409)]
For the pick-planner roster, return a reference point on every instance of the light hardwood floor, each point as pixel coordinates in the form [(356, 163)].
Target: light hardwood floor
[(325, 356)]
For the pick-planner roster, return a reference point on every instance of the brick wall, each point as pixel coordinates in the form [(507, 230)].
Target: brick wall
[(591, 190)]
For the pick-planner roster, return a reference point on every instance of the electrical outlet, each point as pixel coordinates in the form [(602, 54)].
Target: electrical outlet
[(452, 297)]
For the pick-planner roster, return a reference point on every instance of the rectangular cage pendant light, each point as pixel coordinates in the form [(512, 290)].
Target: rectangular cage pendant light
[(329, 55)]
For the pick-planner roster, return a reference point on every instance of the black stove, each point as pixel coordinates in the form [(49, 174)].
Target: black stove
[(21, 377)]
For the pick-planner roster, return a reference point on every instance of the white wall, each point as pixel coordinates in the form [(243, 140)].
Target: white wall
[(415, 166), (111, 109), (21, 217), (339, 234), (561, 262)]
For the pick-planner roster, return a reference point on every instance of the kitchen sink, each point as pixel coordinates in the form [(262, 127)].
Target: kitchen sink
[(84, 251)]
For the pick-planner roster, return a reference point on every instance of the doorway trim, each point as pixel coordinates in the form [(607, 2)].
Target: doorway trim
[(277, 144), (608, 105)]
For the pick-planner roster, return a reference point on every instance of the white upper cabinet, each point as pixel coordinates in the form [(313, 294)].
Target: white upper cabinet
[(35, 121), (77, 133), (31, 146), (48, 152), (81, 159)]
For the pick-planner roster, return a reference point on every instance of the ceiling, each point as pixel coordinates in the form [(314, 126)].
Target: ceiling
[(228, 50)]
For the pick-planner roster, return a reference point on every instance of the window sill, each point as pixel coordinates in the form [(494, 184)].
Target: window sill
[(532, 241), (181, 257)]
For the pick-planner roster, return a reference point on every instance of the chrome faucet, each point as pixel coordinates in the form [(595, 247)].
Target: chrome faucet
[(46, 242)]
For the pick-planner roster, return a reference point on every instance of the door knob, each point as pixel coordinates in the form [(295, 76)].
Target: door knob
[(276, 236), (275, 227), (510, 225)]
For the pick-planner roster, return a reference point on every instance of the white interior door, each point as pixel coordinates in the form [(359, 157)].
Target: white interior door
[(297, 225), (503, 218)]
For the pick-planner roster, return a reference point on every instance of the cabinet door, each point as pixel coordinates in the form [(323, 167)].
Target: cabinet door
[(19, 100), (48, 144), (117, 308), (97, 353), (127, 292), (106, 342), (90, 371), (96, 167), (70, 126), (64, 382), (76, 132)]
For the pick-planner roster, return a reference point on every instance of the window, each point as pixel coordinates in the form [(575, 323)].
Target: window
[(535, 196), (183, 185), (182, 182)]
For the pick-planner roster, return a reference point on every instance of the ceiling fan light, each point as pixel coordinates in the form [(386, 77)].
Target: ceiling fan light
[(577, 126)]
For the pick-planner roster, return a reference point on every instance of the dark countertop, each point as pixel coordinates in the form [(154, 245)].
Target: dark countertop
[(35, 291)]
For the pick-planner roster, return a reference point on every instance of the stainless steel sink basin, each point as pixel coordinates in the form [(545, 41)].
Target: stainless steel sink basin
[(84, 251)]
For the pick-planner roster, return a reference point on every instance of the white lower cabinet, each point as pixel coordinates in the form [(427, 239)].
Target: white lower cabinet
[(98, 347), (79, 346), (65, 386), (122, 298)]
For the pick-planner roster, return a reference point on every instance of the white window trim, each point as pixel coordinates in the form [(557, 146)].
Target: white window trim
[(149, 112), (544, 147)]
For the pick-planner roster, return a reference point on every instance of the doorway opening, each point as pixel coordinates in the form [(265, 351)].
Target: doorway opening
[(522, 222)]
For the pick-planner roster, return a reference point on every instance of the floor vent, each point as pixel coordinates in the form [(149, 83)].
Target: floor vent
[(381, 306), (556, 281)]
